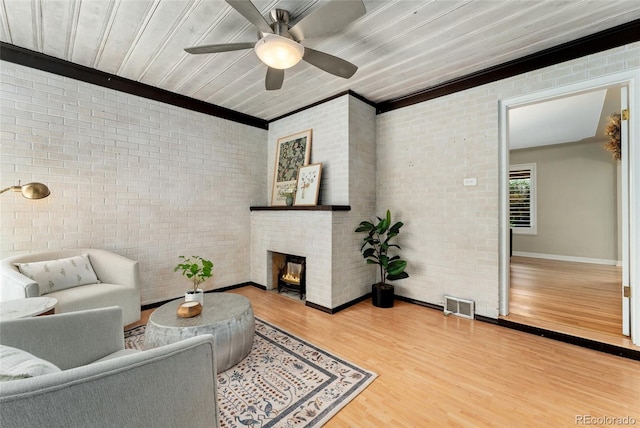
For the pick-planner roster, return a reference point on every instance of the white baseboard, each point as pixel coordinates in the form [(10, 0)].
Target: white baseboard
[(568, 258)]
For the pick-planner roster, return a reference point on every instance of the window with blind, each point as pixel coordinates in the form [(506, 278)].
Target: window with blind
[(522, 198)]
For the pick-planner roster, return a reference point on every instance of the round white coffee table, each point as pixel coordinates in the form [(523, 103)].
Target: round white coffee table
[(29, 307), (228, 317)]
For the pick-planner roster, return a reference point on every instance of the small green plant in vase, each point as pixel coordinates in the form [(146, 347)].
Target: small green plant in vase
[(375, 247), (289, 195), (198, 270)]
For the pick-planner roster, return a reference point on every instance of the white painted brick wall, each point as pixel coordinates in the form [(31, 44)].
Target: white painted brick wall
[(151, 181), (424, 152), (353, 276), (344, 140), (330, 124), (301, 233), (144, 179)]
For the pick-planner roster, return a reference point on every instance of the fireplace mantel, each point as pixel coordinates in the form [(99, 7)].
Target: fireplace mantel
[(304, 208), (312, 232)]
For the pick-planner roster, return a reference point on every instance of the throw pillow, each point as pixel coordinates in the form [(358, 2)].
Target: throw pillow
[(56, 275), (18, 364)]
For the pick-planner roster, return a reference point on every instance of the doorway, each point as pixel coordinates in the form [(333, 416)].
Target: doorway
[(537, 248)]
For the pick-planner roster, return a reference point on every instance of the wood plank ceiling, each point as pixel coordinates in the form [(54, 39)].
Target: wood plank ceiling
[(400, 46)]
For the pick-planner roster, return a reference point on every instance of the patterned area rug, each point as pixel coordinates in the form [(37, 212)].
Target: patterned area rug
[(284, 381)]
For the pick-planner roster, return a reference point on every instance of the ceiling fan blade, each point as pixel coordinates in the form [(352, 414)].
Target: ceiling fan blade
[(274, 79), (253, 15), (223, 47), (329, 63), (332, 17)]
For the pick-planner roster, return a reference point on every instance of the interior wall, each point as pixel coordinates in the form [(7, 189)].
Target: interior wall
[(146, 180), (152, 181), (425, 151), (577, 208), (329, 144), (354, 275), (344, 141)]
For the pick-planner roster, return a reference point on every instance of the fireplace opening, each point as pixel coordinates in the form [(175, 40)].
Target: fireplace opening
[(292, 275)]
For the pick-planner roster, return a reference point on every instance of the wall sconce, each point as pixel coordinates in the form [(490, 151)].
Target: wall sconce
[(30, 190)]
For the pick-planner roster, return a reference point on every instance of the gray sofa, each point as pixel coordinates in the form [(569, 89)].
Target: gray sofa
[(102, 384), (118, 282)]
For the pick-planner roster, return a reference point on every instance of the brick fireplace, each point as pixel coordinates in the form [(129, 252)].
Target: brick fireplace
[(344, 141), (324, 237)]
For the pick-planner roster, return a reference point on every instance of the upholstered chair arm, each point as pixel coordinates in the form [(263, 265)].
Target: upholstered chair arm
[(67, 340), (115, 269), (14, 285), (169, 386)]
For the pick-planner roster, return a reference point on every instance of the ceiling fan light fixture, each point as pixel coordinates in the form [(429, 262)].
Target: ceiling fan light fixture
[(279, 52)]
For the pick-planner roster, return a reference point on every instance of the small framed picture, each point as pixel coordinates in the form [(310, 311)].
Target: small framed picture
[(292, 152), (308, 184)]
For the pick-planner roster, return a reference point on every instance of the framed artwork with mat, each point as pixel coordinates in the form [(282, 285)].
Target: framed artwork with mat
[(292, 152)]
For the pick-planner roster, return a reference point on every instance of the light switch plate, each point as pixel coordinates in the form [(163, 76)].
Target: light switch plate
[(471, 181)]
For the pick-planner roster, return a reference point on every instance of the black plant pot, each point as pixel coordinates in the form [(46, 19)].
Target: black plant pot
[(382, 297)]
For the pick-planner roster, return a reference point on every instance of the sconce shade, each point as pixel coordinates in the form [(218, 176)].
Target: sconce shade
[(278, 52), (30, 190)]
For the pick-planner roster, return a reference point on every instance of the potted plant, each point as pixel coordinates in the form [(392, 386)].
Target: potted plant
[(289, 195), (375, 249), (198, 270)]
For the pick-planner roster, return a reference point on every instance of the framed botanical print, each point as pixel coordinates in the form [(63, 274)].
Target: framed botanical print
[(292, 152), (308, 184)]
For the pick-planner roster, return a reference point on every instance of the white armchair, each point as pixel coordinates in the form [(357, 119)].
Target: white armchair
[(100, 383), (118, 282)]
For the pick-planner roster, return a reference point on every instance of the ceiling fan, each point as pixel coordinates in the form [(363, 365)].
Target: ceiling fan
[(279, 47)]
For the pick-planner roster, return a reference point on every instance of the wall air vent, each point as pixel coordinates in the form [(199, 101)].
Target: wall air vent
[(459, 307)]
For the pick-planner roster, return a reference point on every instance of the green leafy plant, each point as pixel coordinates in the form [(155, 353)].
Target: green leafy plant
[(288, 193), (196, 269), (375, 247)]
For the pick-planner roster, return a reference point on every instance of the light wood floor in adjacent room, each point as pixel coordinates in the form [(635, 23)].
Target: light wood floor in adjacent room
[(437, 371), (580, 299)]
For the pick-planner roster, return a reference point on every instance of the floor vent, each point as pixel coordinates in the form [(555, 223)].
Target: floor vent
[(459, 307)]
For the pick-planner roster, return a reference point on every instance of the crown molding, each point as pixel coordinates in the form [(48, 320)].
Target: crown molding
[(40, 61), (332, 97), (594, 43), (598, 42)]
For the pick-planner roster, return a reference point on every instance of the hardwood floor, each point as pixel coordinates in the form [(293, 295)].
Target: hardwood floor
[(579, 299), (438, 371)]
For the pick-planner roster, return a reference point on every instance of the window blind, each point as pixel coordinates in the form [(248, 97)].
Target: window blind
[(520, 197)]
